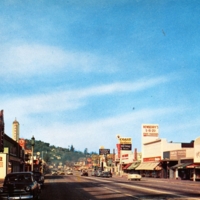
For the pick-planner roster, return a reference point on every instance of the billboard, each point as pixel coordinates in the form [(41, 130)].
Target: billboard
[(104, 151), (125, 147), (125, 140), (177, 154), (150, 130)]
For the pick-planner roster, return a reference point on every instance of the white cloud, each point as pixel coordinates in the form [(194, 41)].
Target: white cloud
[(28, 60), (72, 99), (102, 132)]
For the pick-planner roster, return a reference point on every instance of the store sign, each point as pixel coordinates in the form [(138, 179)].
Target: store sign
[(125, 156), (150, 130), (118, 150), (1, 158), (176, 155), (126, 147), (104, 151), (157, 158), (22, 143), (125, 140)]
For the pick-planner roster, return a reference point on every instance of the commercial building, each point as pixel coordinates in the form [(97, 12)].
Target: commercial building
[(12, 159)]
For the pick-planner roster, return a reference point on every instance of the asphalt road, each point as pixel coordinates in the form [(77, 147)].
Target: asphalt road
[(76, 187)]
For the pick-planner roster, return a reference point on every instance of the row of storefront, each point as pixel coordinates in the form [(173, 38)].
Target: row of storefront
[(13, 158), (164, 169), (158, 158)]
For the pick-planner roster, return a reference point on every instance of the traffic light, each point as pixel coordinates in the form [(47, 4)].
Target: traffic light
[(1, 132)]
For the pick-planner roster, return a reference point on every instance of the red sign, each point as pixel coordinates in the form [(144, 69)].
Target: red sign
[(22, 143), (158, 158), (118, 149)]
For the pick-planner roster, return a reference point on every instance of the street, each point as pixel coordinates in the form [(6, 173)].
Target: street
[(76, 187)]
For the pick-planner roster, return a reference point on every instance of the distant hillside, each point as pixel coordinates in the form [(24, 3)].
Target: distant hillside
[(55, 155)]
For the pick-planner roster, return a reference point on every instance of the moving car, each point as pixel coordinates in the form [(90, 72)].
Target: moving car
[(20, 185), (39, 177), (106, 174), (84, 173), (69, 173), (99, 173), (94, 173), (62, 173), (134, 177), (54, 172)]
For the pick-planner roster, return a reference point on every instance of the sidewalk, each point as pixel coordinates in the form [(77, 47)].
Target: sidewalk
[(171, 180)]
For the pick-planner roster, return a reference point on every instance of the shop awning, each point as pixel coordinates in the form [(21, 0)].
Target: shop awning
[(133, 165), (147, 166), (126, 166), (180, 165), (194, 165)]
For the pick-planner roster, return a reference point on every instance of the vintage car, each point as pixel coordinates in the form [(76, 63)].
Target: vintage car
[(39, 177), (20, 185), (94, 173), (69, 172), (84, 173), (99, 173), (106, 174), (62, 173), (134, 177), (54, 172)]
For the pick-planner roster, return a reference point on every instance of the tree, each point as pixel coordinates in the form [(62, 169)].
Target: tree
[(72, 148), (86, 151)]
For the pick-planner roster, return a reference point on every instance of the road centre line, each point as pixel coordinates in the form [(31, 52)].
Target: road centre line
[(117, 191)]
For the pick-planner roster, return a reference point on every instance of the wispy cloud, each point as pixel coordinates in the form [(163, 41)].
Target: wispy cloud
[(73, 99), (103, 131), (28, 60)]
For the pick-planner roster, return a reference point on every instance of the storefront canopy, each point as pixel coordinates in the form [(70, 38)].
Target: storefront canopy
[(193, 165), (147, 166), (180, 165), (126, 166), (133, 165)]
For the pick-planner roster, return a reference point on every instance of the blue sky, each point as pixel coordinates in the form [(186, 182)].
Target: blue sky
[(80, 72)]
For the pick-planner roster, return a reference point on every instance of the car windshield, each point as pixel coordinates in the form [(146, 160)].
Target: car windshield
[(16, 178), (37, 174)]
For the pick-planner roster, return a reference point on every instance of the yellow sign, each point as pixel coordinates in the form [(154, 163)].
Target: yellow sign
[(125, 140)]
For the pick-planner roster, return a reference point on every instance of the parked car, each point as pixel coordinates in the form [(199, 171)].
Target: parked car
[(62, 173), (39, 177), (99, 173), (134, 177), (20, 185), (54, 172), (84, 173), (94, 173), (106, 174), (69, 172)]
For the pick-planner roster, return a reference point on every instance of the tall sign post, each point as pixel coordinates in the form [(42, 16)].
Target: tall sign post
[(1, 132), (104, 152), (124, 146)]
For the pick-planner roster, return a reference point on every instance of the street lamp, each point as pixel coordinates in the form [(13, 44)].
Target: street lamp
[(32, 144), (43, 162)]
